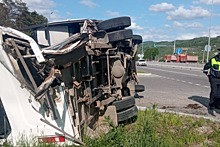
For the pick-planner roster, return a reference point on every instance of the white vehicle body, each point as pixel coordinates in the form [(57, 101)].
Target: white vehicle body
[(141, 62), (59, 83), (25, 115), (24, 112)]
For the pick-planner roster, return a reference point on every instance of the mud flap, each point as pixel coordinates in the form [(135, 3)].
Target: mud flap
[(112, 114)]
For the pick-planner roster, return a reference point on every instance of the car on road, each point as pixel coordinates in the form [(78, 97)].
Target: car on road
[(141, 62)]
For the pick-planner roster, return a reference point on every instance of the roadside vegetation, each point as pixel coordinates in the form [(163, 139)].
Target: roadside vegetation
[(151, 128), (140, 71)]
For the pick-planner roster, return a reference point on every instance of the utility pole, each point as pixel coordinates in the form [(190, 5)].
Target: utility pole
[(142, 54), (207, 59), (174, 46), (203, 56), (142, 48)]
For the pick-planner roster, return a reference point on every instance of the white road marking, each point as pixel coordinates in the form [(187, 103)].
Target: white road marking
[(185, 82), (144, 74), (197, 75), (168, 78)]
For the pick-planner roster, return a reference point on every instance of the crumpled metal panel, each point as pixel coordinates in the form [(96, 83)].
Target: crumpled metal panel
[(36, 49)]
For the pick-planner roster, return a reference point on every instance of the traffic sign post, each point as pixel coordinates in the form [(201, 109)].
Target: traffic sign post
[(178, 51), (140, 56), (208, 49)]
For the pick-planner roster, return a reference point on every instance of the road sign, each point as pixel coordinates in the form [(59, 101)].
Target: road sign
[(140, 55), (178, 50), (207, 48)]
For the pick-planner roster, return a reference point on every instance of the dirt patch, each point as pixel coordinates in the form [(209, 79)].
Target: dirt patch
[(167, 107), (193, 106), (102, 127)]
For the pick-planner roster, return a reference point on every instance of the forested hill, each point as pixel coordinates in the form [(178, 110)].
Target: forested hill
[(191, 43), (156, 50)]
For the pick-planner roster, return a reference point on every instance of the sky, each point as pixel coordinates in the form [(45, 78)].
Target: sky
[(154, 20)]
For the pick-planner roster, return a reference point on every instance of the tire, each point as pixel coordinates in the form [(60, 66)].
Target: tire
[(125, 103), (119, 35), (137, 39), (114, 24), (125, 115), (139, 88)]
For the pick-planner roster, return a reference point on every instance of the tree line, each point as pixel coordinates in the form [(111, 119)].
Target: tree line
[(156, 50), (15, 14)]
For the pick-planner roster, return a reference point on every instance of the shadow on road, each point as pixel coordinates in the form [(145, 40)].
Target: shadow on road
[(202, 100), (138, 96), (205, 102)]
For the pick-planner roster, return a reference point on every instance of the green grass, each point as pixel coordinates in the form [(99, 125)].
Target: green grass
[(140, 71), (153, 129)]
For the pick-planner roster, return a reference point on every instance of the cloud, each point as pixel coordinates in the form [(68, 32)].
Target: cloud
[(88, 3), (185, 33), (187, 36), (69, 14), (135, 26), (155, 34), (187, 25), (209, 2), (177, 24), (44, 7), (156, 37), (193, 13), (40, 4), (167, 26), (214, 32), (112, 13), (162, 7)]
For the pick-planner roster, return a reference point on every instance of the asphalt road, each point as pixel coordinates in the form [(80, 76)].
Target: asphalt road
[(176, 87)]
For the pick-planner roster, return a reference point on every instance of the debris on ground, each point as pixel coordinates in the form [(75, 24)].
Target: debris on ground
[(167, 107), (193, 106)]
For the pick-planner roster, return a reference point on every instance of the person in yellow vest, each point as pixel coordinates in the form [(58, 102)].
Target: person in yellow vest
[(212, 70)]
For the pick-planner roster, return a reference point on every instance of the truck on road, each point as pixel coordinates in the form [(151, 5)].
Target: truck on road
[(181, 58), (187, 58)]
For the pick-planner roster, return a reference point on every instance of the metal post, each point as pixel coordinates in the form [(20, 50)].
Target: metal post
[(203, 56), (174, 46), (207, 59), (142, 48)]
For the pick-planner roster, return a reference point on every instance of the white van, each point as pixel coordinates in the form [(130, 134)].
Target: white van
[(141, 62)]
